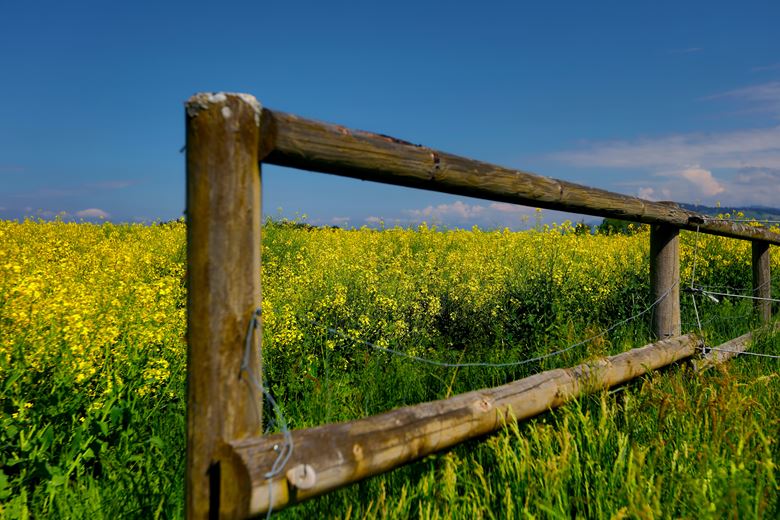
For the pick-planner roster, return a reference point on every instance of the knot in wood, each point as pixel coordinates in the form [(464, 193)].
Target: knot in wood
[(357, 450), (483, 405)]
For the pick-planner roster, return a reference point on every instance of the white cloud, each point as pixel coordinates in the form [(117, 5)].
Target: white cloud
[(765, 96), (339, 221), (754, 175), (92, 213), (488, 215), (684, 185), (646, 193), (734, 149), (514, 209), (748, 186), (703, 181), (736, 168), (458, 210), (742, 148), (759, 186), (374, 220)]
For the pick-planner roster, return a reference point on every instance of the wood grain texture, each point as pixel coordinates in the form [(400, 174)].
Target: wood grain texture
[(724, 352), (733, 347), (762, 279), (665, 279), (328, 457), (223, 276), (305, 144)]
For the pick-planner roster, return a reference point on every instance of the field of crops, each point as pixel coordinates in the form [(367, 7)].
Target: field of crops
[(93, 369)]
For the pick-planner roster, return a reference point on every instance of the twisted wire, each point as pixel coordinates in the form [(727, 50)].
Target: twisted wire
[(286, 450), (398, 353)]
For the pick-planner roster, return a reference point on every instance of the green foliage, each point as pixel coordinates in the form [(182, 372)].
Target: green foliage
[(613, 226), (673, 444), (92, 410)]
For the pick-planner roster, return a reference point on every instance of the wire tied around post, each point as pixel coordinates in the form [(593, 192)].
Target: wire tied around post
[(286, 449)]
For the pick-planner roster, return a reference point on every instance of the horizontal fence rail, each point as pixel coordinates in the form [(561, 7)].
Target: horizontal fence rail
[(331, 456), (289, 140)]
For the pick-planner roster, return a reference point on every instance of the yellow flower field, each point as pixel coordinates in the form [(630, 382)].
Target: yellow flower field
[(92, 329)]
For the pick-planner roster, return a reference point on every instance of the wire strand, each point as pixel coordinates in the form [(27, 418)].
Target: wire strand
[(434, 362), (285, 452), (693, 294), (719, 318), (733, 288), (700, 289), (730, 295), (746, 352), (757, 221)]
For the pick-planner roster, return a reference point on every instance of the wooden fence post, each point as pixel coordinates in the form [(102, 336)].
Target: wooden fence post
[(665, 279), (762, 281), (223, 275)]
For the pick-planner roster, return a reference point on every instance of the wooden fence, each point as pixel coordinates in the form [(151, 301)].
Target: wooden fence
[(228, 137)]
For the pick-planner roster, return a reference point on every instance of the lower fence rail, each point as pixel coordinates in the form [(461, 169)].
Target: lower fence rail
[(327, 457)]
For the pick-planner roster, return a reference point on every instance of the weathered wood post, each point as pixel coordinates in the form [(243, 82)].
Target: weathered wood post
[(664, 279), (762, 281), (223, 275)]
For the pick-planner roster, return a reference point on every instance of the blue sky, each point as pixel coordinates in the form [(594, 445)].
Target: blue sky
[(667, 100)]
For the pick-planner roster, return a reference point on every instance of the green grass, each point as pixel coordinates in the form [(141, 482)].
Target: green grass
[(124, 459), (671, 444)]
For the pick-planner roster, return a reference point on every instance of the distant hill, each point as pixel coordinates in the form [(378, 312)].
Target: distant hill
[(609, 225), (756, 212)]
